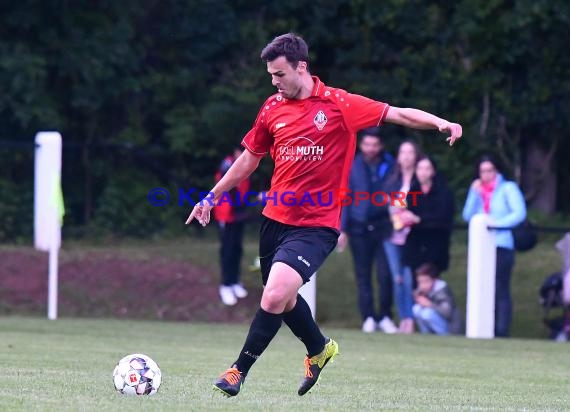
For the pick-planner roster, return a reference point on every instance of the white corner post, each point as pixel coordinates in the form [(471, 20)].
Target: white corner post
[(48, 207), (309, 292), (481, 258)]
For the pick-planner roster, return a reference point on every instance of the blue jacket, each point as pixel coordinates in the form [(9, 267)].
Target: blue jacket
[(507, 209), (360, 181)]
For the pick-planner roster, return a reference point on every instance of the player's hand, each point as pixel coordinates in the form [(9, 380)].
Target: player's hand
[(201, 211), (455, 130)]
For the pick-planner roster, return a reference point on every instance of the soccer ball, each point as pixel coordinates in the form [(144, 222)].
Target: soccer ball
[(137, 374)]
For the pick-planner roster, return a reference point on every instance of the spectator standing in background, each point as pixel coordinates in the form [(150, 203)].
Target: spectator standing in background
[(365, 226), (434, 208), (400, 180), (503, 201), (230, 214)]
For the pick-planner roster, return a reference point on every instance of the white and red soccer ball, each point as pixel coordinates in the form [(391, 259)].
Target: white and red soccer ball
[(137, 374)]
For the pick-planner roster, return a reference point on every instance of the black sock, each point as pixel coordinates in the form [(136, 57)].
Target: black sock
[(301, 322), (263, 329)]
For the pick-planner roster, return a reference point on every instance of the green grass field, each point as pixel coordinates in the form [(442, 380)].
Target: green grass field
[(336, 299), (67, 365)]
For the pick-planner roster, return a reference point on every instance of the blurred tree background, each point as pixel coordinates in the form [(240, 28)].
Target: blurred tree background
[(152, 93)]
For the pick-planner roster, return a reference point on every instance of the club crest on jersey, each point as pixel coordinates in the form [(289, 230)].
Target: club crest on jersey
[(320, 120)]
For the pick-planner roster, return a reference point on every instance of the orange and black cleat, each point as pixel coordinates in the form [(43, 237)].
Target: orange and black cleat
[(230, 382)]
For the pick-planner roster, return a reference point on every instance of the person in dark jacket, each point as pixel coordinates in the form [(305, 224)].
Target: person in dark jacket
[(365, 226), (429, 240)]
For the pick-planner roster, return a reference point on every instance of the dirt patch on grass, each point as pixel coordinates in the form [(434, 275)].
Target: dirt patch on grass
[(109, 284)]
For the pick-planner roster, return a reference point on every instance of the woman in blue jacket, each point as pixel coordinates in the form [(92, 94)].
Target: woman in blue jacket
[(503, 201)]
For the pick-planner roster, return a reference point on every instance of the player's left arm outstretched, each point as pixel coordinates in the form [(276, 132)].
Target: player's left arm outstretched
[(240, 169), (418, 119)]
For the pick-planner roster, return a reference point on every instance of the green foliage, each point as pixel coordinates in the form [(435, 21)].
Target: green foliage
[(124, 208), (16, 212), (182, 80)]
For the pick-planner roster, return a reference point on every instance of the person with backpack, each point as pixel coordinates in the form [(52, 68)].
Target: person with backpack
[(502, 200)]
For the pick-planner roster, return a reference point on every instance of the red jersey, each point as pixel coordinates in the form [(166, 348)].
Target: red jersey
[(312, 142)]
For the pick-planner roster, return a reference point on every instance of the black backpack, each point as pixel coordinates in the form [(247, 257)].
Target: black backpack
[(524, 235)]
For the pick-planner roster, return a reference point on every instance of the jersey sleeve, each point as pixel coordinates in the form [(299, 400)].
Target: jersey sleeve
[(258, 140), (361, 112)]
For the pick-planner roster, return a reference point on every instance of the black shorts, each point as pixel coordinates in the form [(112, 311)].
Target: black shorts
[(303, 248)]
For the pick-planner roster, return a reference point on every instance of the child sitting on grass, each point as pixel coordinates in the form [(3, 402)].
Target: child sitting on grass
[(435, 310)]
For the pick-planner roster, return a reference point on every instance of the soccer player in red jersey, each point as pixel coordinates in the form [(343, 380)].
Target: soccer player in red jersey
[(309, 129)]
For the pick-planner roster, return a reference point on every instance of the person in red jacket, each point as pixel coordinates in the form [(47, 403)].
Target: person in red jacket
[(231, 216)]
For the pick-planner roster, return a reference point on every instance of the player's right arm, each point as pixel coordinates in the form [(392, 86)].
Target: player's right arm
[(257, 143), (365, 112), (240, 170)]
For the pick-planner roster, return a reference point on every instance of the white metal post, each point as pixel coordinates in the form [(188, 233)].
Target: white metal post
[(47, 224), (53, 283), (309, 292), (481, 258)]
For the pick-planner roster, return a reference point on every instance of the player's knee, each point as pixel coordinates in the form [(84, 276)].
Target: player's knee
[(274, 300), (290, 305)]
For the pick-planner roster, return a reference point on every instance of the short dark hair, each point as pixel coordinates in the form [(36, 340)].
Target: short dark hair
[(428, 269), (370, 131), (289, 45)]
